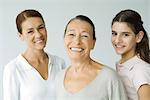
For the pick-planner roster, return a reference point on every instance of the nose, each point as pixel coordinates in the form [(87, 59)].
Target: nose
[(37, 33), (77, 40), (117, 39)]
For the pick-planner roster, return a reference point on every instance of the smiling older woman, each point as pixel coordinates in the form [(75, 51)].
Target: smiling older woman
[(85, 79)]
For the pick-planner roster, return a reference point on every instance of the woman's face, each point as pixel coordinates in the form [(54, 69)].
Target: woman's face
[(34, 33), (78, 39), (123, 39)]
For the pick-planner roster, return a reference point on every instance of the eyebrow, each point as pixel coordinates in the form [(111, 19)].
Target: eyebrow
[(70, 30), (122, 32), (41, 25), (113, 31), (37, 26), (30, 29)]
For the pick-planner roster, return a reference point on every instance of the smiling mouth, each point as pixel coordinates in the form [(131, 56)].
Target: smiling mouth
[(39, 41), (119, 46), (77, 49)]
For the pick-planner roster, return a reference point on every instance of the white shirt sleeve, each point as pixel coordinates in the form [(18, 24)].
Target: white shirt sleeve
[(141, 76), (10, 83)]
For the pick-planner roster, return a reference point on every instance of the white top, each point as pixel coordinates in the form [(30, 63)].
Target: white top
[(106, 86), (21, 81), (134, 73)]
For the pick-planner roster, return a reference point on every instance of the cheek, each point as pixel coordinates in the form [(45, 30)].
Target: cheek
[(130, 40), (44, 33), (45, 37), (65, 43), (112, 39), (92, 44), (131, 43)]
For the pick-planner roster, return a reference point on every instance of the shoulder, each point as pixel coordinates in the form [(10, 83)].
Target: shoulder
[(141, 67), (55, 58), (142, 64), (137, 63), (110, 74), (60, 75), (140, 73), (110, 71), (57, 61), (12, 66), (112, 80)]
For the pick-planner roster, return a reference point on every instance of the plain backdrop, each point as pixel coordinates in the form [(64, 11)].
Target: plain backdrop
[(56, 14)]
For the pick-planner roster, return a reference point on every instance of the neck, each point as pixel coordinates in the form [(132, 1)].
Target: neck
[(126, 57), (34, 55), (81, 65)]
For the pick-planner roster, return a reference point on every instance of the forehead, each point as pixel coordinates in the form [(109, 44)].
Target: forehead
[(31, 22), (77, 23), (121, 27)]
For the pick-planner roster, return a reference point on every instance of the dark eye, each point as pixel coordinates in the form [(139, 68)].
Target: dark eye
[(70, 34), (114, 33), (29, 32), (126, 34), (41, 27), (84, 36)]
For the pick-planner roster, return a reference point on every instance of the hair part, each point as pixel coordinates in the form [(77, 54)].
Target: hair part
[(134, 21), (82, 18)]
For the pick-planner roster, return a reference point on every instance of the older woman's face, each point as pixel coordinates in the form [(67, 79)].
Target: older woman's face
[(78, 39)]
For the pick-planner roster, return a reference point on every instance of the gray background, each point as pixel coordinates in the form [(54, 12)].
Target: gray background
[(56, 14)]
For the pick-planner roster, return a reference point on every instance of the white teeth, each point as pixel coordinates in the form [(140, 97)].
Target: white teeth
[(77, 49), (118, 46)]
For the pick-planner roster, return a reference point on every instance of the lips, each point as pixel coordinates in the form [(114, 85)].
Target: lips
[(39, 41), (77, 49), (119, 46)]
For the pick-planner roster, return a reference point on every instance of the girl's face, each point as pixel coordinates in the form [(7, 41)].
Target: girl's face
[(123, 39), (78, 39), (34, 33)]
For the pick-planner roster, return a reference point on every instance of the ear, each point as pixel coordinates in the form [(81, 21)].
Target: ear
[(139, 36), (93, 45), (20, 36)]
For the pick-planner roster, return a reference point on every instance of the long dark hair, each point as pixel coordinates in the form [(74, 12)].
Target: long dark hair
[(134, 21), (21, 17)]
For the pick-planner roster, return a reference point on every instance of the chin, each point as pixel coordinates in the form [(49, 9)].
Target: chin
[(41, 48), (75, 58), (119, 53)]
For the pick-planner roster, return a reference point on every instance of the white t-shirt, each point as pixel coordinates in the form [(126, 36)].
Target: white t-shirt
[(21, 81), (134, 73), (106, 86)]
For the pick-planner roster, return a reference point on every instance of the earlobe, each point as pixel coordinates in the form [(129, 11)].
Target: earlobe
[(139, 36), (93, 44), (20, 36)]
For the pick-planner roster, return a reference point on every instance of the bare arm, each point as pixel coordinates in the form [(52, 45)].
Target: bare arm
[(144, 92)]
